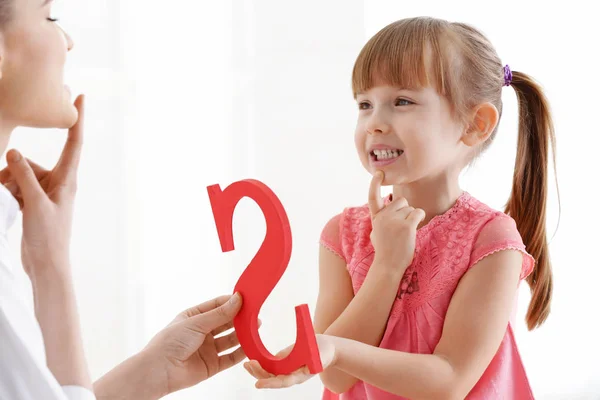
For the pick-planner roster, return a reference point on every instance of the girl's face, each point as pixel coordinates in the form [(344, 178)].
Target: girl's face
[(33, 51), (408, 134)]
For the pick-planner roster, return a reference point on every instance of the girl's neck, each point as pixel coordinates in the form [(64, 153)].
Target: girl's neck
[(435, 197)]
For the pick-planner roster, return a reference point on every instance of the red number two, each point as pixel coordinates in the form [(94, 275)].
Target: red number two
[(262, 274)]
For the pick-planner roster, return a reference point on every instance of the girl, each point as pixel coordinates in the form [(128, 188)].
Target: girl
[(416, 291)]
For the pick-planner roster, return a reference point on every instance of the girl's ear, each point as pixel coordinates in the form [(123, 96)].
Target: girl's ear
[(482, 125)]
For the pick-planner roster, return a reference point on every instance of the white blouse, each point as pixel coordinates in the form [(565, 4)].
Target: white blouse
[(24, 374)]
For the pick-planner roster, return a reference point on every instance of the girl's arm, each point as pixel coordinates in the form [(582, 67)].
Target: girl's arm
[(475, 324), (362, 317)]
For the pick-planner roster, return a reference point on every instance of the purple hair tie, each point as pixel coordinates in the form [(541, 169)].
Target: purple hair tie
[(507, 75)]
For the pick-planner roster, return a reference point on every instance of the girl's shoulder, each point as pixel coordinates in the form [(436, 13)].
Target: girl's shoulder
[(347, 231), (491, 231)]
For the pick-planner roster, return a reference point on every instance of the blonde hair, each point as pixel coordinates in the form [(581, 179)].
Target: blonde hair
[(462, 65)]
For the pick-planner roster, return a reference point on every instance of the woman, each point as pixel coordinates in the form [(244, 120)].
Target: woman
[(42, 355)]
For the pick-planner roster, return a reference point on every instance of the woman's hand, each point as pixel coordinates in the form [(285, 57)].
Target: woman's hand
[(190, 346), (266, 380), (46, 199), (394, 228), (188, 351)]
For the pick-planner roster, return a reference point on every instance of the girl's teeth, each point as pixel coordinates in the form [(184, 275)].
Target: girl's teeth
[(386, 154)]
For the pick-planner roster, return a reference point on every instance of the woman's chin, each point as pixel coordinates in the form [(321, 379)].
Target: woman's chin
[(71, 117), (68, 115), (63, 119), (67, 118)]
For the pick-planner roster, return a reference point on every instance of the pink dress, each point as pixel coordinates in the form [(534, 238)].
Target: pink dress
[(446, 248)]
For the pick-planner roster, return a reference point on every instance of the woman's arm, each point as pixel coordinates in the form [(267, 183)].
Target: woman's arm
[(22, 377), (56, 312), (46, 199), (191, 349)]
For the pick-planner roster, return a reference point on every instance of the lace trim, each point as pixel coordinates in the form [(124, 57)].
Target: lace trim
[(358, 219), (528, 260), (332, 248), (463, 200)]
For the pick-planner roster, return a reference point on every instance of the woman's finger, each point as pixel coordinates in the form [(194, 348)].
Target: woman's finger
[(67, 165), (39, 171), (205, 307), (5, 176), (223, 328), (231, 359), (226, 342), (25, 177)]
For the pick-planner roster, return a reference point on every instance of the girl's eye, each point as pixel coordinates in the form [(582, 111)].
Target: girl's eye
[(363, 105), (403, 102)]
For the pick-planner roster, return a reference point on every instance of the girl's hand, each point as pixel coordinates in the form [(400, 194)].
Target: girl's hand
[(394, 228), (46, 199), (266, 380)]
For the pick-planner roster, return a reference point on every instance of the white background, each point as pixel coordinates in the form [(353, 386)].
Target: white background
[(185, 94)]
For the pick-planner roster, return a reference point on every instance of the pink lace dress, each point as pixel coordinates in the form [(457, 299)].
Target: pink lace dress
[(446, 248)]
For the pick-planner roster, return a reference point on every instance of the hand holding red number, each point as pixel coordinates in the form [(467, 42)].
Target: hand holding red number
[(266, 380), (262, 274), (394, 227)]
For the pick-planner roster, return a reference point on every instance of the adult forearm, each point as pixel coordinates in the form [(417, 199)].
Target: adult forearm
[(56, 312), (134, 379)]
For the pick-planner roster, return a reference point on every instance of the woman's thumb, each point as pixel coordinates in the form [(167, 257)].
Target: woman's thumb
[(207, 322), (24, 176)]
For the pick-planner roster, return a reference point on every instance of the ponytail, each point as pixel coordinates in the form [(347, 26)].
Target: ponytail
[(527, 202)]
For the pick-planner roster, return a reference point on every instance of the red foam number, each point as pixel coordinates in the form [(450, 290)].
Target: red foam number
[(262, 274)]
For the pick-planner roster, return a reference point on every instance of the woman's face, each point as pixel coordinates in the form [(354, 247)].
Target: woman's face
[(33, 52)]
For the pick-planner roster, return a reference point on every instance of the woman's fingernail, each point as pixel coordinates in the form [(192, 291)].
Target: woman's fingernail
[(14, 156), (235, 298)]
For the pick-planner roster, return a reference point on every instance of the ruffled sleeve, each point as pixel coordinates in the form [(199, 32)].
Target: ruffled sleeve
[(331, 236), (501, 233)]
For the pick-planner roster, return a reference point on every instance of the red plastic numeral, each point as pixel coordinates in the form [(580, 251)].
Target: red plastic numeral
[(262, 274)]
